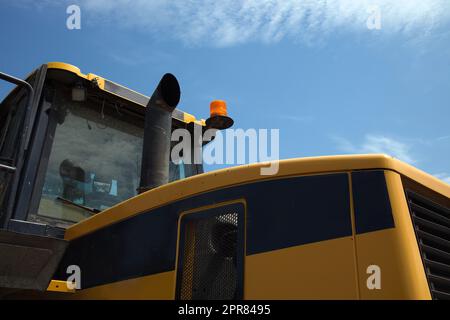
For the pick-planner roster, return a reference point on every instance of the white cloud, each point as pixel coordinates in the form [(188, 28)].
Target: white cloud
[(295, 118), (138, 58), (443, 138), (230, 22), (377, 144)]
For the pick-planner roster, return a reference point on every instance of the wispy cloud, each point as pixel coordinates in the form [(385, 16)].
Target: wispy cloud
[(443, 138), (377, 144), (136, 58), (231, 22), (294, 118)]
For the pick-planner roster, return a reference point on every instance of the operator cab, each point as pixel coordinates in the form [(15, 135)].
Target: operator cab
[(73, 145), (84, 151)]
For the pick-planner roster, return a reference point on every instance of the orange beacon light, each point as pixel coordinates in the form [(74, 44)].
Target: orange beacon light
[(218, 118)]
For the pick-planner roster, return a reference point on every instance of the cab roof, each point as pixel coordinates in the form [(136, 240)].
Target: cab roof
[(120, 91)]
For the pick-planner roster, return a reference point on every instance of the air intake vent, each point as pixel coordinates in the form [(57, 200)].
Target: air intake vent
[(211, 252), (432, 227)]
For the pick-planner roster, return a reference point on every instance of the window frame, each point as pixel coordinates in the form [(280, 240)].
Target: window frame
[(210, 211), (48, 125), (42, 145), (17, 187)]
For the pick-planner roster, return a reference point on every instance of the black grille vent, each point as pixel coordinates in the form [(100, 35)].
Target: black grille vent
[(432, 227), (209, 262)]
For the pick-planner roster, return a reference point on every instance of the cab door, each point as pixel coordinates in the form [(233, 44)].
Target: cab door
[(17, 113), (20, 240)]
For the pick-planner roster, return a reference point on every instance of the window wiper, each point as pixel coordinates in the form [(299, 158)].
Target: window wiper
[(70, 202)]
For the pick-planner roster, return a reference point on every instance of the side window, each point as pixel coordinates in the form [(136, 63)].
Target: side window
[(211, 252), (12, 127), (13, 111), (295, 211), (371, 201), (12, 116)]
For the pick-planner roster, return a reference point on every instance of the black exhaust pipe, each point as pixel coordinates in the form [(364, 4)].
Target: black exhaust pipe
[(157, 133)]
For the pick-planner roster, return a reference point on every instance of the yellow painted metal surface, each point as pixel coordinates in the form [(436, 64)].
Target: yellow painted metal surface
[(395, 251), (332, 269), (187, 118), (157, 286), (59, 286), (321, 270), (66, 67), (73, 69), (244, 174), (99, 80)]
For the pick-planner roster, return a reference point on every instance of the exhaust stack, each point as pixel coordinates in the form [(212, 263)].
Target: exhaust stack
[(157, 133)]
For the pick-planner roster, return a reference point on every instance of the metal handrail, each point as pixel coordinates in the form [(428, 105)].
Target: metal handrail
[(23, 141), (7, 168)]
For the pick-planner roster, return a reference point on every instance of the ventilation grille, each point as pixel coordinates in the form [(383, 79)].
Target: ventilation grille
[(209, 257), (432, 227)]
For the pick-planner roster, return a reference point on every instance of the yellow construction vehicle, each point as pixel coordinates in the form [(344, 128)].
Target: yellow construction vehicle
[(93, 208)]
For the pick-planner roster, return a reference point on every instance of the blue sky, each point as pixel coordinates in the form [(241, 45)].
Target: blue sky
[(313, 69)]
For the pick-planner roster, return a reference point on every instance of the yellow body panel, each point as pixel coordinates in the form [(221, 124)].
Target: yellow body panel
[(249, 173), (157, 286), (77, 71), (321, 270), (331, 269), (59, 286), (395, 251)]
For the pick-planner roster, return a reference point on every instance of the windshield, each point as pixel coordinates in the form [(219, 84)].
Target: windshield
[(95, 160)]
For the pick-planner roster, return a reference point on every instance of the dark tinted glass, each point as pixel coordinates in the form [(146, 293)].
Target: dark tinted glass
[(294, 211), (371, 201)]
